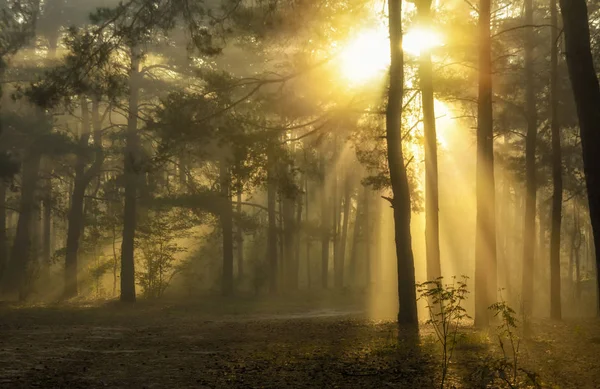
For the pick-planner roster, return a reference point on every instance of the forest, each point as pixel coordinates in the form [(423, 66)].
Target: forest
[(299, 193)]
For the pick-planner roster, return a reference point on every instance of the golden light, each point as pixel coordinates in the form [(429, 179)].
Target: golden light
[(419, 39), (366, 56)]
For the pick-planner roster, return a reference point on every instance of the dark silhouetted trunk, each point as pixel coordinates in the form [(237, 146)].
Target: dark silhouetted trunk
[(47, 225), (587, 99), (432, 224), (132, 167), (530, 168), (407, 314), (17, 276), (336, 228), (555, 304), (324, 230), (344, 235), (296, 264), (75, 218), (272, 228), (289, 241), (308, 237), (239, 237), (3, 237), (485, 239), (359, 219), (226, 217), (367, 238)]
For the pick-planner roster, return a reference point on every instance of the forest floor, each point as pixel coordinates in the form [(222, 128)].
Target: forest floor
[(262, 346)]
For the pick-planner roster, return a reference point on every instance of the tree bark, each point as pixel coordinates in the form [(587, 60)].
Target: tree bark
[(485, 245), (289, 239), (47, 225), (296, 265), (367, 239), (324, 230), (586, 91), (17, 275), (226, 217), (359, 219), (432, 224), (344, 235), (530, 168), (3, 237), (272, 228), (407, 314), (239, 237), (308, 236), (555, 287), (132, 167)]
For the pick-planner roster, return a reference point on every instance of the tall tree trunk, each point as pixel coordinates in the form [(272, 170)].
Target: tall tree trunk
[(75, 218), (308, 236), (336, 227), (289, 238), (226, 216), (47, 225), (3, 235), (132, 167), (344, 235), (325, 229), (485, 245), (297, 230), (530, 168), (555, 304), (272, 228), (367, 238), (586, 91), (407, 314), (17, 276), (239, 237), (432, 224), (359, 219)]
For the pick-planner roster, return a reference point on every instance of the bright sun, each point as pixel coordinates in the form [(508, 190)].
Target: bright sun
[(367, 56)]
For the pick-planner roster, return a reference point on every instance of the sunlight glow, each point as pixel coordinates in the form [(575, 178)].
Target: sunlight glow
[(367, 56), (419, 38)]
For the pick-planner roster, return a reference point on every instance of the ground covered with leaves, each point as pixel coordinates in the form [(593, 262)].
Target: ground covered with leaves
[(261, 346)]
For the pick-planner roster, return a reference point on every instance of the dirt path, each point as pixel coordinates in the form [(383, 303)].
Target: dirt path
[(103, 348), (180, 347)]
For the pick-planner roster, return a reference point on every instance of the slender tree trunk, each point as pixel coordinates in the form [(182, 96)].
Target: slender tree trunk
[(407, 314), (485, 246), (555, 304), (3, 235), (272, 229), (325, 230), (367, 239), (226, 216), (308, 237), (296, 268), (344, 235), (47, 226), (530, 168), (432, 227), (359, 219), (132, 168), (586, 91), (336, 228), (240, 240), (289, 235)]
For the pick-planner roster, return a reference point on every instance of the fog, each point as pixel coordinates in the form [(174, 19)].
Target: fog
[(249, 186)]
